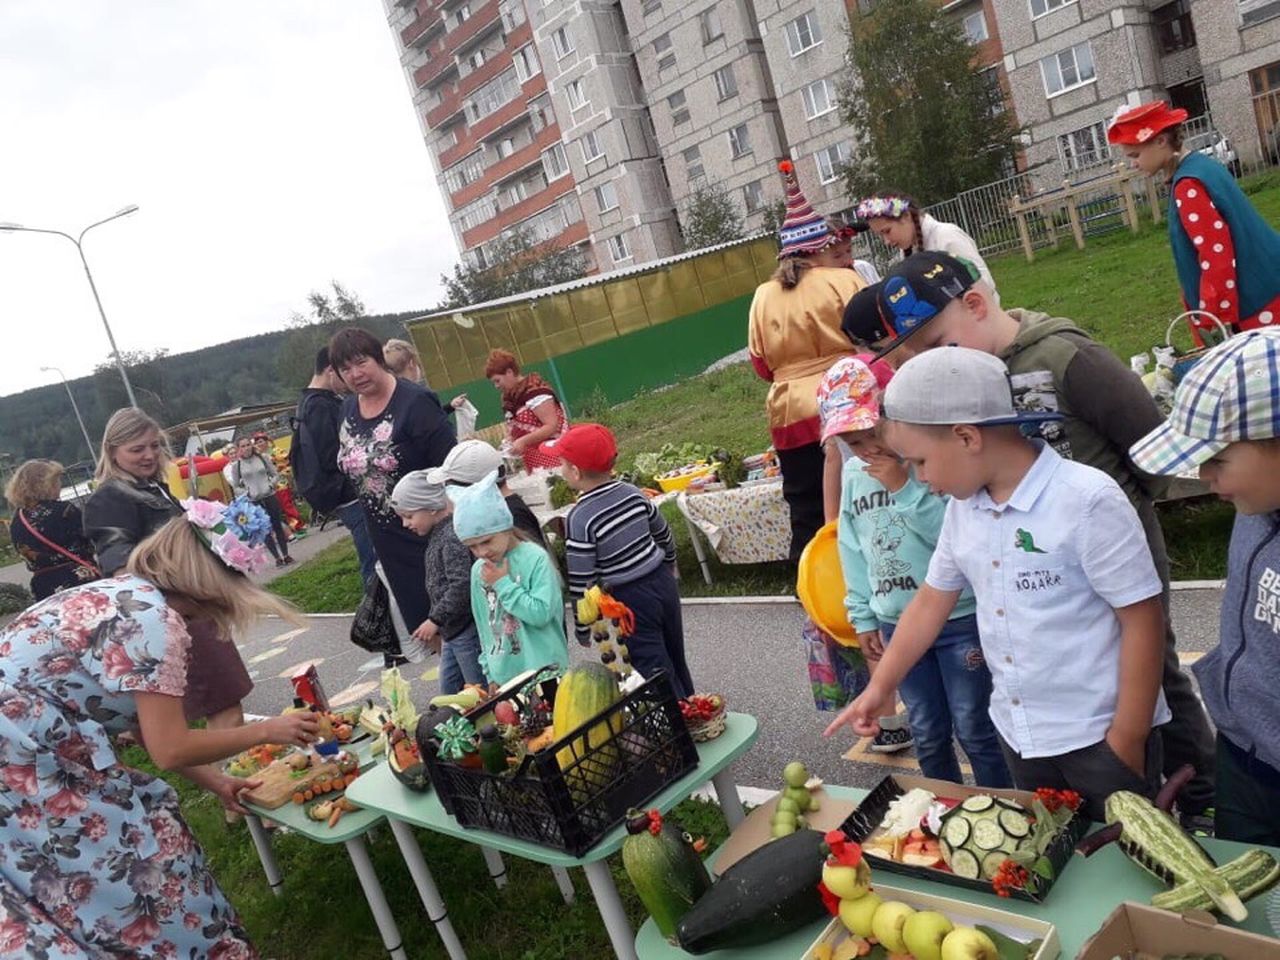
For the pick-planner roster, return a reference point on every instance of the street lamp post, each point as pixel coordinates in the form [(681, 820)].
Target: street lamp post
[(76, 407), (78, 241)]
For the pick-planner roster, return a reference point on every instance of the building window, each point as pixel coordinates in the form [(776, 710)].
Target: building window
[(831, 161), (709, 20), (803, 33), (753, 196), (651, 7), (679, 112), (1174, 27), (1040, 7), (619, 249), (560, 40), (554, 162), (975, 26), (1068, 69), (526, 59), (591, 147), (1086, 147), (606, 198), (726, 84), (505, 147), (991, 79), (666, 56), (576, 94), (461, 15), (693, 164), (819, 98), (475, 59), (739, 141)]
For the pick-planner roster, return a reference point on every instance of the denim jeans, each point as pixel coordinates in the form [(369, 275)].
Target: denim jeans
[(352, 517), (460, 662), (948, 692)]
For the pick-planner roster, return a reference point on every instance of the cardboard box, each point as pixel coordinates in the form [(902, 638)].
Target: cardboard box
[(1135, 931), (961, 914)]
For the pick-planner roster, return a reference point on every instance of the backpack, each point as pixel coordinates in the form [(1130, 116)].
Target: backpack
[(321, 488)]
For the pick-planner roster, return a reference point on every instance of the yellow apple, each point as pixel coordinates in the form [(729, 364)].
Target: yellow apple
[(887, 925), (857, 915), (924, 932), (847, 883), (966, 943)]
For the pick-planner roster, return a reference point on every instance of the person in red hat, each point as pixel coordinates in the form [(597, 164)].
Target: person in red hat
[(1224, 251), (615, 537), (793, 337)]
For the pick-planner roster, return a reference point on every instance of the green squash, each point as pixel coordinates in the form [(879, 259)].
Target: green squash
[(666, 871)]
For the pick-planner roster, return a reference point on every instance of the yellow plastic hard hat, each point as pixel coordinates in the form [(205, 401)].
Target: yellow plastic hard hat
[(820, 586)]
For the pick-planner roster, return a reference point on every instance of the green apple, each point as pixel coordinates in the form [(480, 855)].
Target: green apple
[(966, 943), (788, 805), (887, 924), (799, 795), (924, 932), (847, 883), (856, 915), (794, 774)]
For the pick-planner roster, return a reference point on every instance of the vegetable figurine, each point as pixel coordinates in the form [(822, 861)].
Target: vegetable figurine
[(610, 621), (665, 867)]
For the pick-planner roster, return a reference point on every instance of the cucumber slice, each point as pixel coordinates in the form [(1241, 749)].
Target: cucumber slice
[(991, 863), (978, 803), (1014, 823), (1010, 804), (987, 834), (965, 864), (956, 831)]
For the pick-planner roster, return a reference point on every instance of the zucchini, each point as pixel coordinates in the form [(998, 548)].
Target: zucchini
[(965, 864), (1249, 875), (1014, 823), (991, 863), (766, 895), (956, 831), (979, 803), (987, 835), (1153, 840), (664, 868)]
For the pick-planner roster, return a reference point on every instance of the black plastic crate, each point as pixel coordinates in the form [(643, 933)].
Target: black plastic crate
[(571, 809), (866, 819)]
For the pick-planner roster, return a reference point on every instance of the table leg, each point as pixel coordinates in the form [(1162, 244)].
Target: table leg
[(359, 855), (262, 843), (727, 794), (427, 890), (610, 906), (695, 537), (497, 867), (564, 883)]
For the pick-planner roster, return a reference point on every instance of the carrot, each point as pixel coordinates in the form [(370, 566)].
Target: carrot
[(349, 779), (334, 817), (299, 798), (308, 795)]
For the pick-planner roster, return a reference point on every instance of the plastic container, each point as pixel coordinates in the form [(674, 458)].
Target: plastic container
[(572, 808), (674, 484)]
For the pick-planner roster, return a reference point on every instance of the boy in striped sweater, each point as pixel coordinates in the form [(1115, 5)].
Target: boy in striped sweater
[(617, 538)]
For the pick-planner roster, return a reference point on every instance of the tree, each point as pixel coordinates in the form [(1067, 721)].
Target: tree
[(924, 118), (710, 216), (520, 264), (308, 332), (774, 216), (145, 376)]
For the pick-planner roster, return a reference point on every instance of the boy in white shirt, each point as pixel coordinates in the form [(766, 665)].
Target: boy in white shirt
[(1068, 599)]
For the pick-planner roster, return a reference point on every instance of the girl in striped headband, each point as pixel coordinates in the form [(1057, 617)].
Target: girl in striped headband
[(897, 219)]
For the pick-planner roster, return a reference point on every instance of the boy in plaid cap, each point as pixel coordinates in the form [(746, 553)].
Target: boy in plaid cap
[(1226, 421), (932, 299)]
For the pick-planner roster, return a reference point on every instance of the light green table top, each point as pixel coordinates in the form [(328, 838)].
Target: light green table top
[(1084, 895), (352, 824), (379, 790)]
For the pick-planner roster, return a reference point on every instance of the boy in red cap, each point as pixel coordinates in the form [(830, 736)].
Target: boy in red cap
[(617, 538)]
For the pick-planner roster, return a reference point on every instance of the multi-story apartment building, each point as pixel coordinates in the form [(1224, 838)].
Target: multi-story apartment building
[(1073, 63)]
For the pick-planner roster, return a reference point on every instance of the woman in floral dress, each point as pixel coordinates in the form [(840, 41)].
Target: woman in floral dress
[(389, 428), (95, 858)]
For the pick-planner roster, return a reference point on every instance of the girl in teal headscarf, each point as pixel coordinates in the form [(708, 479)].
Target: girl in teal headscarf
[(515, 589)]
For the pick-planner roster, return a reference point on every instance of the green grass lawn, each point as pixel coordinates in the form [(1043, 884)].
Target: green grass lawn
[(322, 912)]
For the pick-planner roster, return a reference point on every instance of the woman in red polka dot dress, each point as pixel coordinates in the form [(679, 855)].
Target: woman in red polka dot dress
[(1224, 251)]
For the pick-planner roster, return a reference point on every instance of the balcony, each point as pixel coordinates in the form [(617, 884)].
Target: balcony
[(476, 27), (484, 232), (437, 68), (423, 24), (522, 159)]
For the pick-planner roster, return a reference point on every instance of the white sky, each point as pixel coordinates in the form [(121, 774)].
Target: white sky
[(270, 144)]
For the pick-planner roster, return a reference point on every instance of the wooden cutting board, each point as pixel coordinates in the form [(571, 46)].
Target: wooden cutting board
[(279, 784), (753, 833)]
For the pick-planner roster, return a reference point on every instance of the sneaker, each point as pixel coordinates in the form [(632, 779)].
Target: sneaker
[(1198, 824), (892, 741), (288, 560), (279, 561)]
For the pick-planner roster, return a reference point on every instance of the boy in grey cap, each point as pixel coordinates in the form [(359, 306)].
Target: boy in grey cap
[(469, 462), (1068, 599), (450, 630)]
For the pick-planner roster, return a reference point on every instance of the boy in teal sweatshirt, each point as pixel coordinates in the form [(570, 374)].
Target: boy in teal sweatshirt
[(888, 527), (515, 589)]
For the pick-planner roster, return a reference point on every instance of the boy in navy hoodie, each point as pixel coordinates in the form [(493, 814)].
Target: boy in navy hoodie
[(1226, 421)]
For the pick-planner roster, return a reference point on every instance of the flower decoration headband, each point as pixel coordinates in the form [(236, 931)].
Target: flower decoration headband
[(236, 532), (893, 207)]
